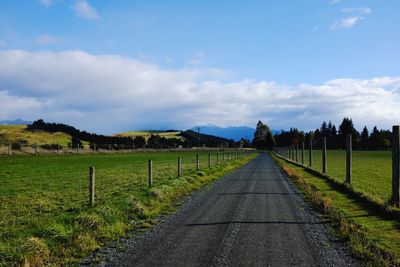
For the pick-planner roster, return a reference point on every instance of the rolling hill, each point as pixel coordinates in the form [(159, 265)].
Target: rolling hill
[(147, 133), (20, 134)]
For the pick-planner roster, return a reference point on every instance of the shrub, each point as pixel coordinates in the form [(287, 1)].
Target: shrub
[(16, 146)]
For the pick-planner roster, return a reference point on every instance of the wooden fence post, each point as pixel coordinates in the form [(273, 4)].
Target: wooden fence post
[(94, 148), (310, 154), (217, 158), (58, 149), (91, 185), (150, 173), (348, 158), (293, 152), (209, 160), (297, 151), (292, 149), (396, 166), (324, 161), (197, 163), (35, 149), (179, 166), (302, 153)]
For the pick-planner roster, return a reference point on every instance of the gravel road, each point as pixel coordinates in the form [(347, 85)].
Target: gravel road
[(251, 217)]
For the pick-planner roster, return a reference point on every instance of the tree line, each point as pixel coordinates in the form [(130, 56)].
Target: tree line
[(188, 139), (336, 137)]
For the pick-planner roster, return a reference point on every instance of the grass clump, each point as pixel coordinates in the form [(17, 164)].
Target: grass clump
[(35, 251), (86, 242), (137, 207), (59, 232), (90, 220)]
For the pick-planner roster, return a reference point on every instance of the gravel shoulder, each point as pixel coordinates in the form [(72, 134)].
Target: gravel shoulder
[(251, 217)]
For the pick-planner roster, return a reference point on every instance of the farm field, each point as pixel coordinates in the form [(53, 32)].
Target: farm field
[(18, 133), (147, 134), (372, 170), (44, 211)]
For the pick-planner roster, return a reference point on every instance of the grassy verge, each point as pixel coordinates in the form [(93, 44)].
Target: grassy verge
[(371, 231), (44, 216)]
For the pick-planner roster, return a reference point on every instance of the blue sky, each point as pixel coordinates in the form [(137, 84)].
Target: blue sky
[(210, 54)]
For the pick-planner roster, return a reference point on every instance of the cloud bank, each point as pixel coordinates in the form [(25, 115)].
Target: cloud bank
[(109, 93)]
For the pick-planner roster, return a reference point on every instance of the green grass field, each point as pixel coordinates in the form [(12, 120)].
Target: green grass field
[(44, 211), (372, 170)]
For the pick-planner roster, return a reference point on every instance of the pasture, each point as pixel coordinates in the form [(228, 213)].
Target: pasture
[(20, 134), (147, 134), (44, 211), (372, 170)]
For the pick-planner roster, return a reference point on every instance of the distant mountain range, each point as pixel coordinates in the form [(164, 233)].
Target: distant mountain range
[(232, 132), (15, 122)]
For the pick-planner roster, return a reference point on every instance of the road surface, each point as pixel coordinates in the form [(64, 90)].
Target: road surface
[(251, 217)]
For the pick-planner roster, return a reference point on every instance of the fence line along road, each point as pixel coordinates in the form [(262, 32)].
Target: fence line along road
[(290, 154), (18, 148), (151, 166)]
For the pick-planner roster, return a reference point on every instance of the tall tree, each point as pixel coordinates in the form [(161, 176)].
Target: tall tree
[(263, 138), (364, 138), (375, 138), (324, 129), (347, 127)]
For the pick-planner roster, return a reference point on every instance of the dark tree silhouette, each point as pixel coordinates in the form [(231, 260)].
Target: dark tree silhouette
[(263, 138), (364, 139)]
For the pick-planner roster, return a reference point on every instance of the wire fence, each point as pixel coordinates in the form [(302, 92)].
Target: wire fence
[(375, 173), (54, 188), (23, 148)]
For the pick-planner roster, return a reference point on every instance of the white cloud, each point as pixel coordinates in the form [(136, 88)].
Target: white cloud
[(108, 93), (198, 59), (47, 39), (332, 2), (357, 14), (315, 28), (84, 10), (17, 106), (345, 23), (46, 3), (357, 10)]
